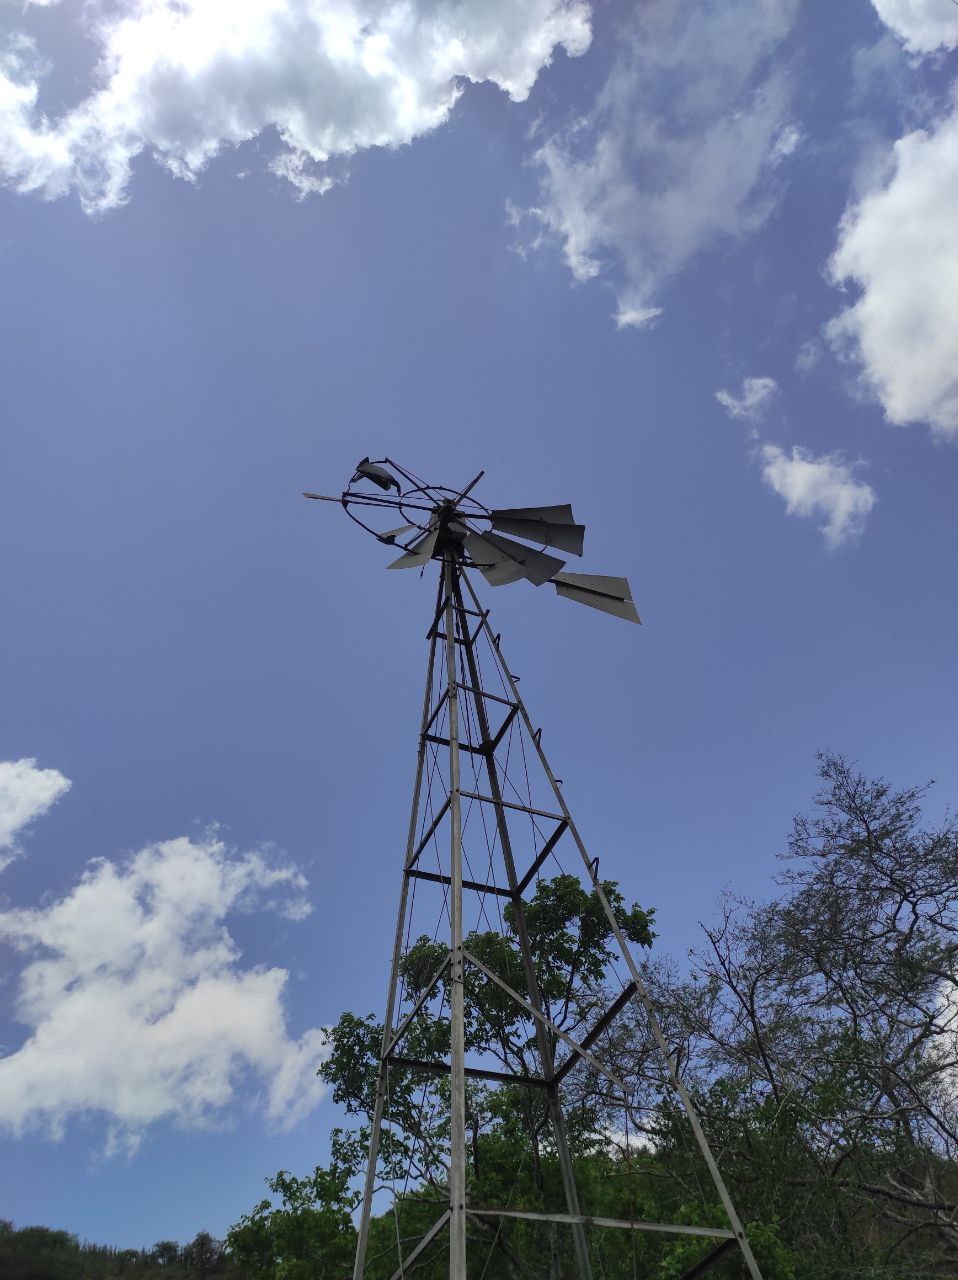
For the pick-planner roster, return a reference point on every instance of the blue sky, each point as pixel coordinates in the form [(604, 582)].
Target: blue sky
[(691, 267)]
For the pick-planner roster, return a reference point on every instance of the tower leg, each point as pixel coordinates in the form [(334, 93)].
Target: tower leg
[(544, 1042), (377, 1117), (457, 1078)]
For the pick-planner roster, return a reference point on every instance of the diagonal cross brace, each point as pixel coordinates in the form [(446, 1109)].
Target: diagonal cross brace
[(404, 1025), (430, 833), (424, 1243), (547, 1022), (588, 1041), (544, 852)]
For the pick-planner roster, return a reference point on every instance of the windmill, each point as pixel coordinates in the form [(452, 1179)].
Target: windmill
[(471, 806)]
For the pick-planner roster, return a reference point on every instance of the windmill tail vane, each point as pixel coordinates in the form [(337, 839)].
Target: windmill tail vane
[(489, 821)]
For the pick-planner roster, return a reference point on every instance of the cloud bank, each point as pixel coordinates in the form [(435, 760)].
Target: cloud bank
[(824, 487), (898, 245), (183, 79), (137, 1005), (26, 792), (923, 25), (677, 152)]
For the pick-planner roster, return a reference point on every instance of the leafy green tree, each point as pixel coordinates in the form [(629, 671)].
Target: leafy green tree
[(309, 1235), (816, 1032)]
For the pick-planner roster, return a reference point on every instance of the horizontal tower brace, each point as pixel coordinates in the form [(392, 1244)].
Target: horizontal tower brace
[(509, 804), (667, 1228), (463, 746), (466, 884), (490, 697), (476, 1073)]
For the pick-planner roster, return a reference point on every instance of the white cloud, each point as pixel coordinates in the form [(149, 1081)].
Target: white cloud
[(923, 25), (819, 487), (751, 405), (137, 1005), (678, 150), (185, 78), (899, 245), (26, 792)]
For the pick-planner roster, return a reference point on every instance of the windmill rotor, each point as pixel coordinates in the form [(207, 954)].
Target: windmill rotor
[(505, 544)]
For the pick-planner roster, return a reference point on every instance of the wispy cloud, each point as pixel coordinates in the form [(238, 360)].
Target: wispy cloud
[(137, 1006), (26, 792), (825, 488), (898, 245), (676, 153), (184, 79), (753, 402)]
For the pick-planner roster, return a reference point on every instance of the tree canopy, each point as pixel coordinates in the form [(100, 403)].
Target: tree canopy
[(815, 1031)]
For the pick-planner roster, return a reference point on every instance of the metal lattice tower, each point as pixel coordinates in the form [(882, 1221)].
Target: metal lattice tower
[(478, 839)]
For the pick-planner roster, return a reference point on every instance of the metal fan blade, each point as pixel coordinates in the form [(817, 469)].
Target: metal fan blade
[(391, 535), (551, 515), (377, 474), (566, 536), (500, 560), (420, 553), (611, 595)]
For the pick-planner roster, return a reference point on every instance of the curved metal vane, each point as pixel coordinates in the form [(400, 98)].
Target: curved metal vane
[(438, 520)]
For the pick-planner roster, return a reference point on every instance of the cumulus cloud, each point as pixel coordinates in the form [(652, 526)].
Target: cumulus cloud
[(923, 25), (137, 1005), (678, 151), (183, 79), (26, 792), (898, 245), (824, 487), (752, 404)]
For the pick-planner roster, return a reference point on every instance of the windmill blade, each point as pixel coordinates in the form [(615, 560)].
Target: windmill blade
[(419, 554), (500, 560), (377, 474), (561, 514), (611, 595), (554, 526), (392, 535)]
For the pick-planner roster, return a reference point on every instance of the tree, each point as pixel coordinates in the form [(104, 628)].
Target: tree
[(166, 1252), (817, 1033), (309, 1235), (203, 1255)]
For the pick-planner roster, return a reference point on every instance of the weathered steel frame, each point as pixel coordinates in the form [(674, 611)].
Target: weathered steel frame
[(641, 994), (456, 638)]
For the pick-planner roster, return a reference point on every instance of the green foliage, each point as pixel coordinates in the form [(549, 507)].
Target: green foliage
[(37, 1253), (309, 1235)]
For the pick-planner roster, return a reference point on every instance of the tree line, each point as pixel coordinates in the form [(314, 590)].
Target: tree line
[(39, 1253)]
